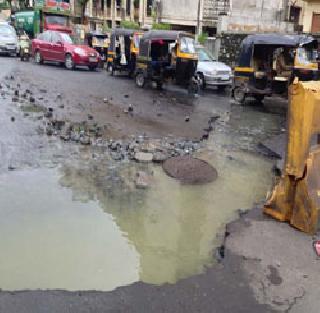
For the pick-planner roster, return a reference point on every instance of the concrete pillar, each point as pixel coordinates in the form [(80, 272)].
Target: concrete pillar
[(113, 13), (132, 10), (200, 17)]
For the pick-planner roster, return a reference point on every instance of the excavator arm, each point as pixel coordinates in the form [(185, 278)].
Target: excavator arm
[(296, 198)]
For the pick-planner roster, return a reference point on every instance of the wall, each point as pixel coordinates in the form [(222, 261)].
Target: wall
[(182, 12), (308, 7), (251, 16)]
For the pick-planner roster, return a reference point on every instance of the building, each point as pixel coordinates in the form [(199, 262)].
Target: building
[(306, 15)]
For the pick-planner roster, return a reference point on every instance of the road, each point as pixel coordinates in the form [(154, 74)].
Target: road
[(263, 266)]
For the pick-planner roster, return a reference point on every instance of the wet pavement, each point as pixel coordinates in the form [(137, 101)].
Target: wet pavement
[(74, 219)]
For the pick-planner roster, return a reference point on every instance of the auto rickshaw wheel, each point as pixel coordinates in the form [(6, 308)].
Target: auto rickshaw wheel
[(259, 98), (68, 63), (159, 85), (239, 95), (140, 80), (202, 81)]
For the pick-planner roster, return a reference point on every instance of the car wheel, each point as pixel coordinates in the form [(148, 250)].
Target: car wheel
[(92, 68), (68, 63), (140, 80), (259, 98), (239, 95), (38, 58), (222, 88), (202, 82)]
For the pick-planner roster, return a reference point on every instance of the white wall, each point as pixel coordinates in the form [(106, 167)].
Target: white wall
[(183, 12), (250, 16)]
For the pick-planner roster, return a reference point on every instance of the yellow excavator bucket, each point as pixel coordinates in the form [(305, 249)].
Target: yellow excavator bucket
[(296, 198)]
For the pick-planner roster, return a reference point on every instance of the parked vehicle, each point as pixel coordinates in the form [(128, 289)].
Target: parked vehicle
[(8, 40), (46, 15), (167, 55), (25, 46), (211, 72), (58, 47), (123, 50), (268, 64), (99, 42)]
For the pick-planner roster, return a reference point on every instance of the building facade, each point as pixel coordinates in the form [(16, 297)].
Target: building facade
[(305, 14)]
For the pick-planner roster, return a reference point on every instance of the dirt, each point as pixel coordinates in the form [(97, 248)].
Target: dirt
[(190, 170)]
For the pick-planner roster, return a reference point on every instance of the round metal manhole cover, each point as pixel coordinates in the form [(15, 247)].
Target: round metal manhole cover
[(190, 170)]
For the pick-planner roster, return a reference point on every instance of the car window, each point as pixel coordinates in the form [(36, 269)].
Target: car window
[(46, 36), (6, 30), (66, 38), (55, 37)]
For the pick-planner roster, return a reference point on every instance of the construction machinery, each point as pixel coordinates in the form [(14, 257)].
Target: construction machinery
[(296, 197)]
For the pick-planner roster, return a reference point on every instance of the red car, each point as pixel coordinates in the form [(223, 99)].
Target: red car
[(55, 46)]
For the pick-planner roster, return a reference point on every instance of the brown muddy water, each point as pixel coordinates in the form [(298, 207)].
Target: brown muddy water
[(88, 229)]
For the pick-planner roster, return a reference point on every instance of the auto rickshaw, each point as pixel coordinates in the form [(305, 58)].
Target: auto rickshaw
[(100, 42), (166, 55), (123, 50), (268, 64), (24, 45)]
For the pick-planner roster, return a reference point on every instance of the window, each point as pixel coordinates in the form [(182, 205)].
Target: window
[(6, 30), (66, 38), (187, 45), (55, 37), (205, 56), (149, 7), (56, 20), (46, 36)]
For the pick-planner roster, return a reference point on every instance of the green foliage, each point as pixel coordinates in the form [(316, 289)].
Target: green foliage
[(129, 25), (161, 26), (202, 38), (105, 27)]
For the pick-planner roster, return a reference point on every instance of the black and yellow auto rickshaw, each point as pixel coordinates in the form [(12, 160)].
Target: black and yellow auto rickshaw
[(167, 55), (268, 63), (100, 42), (123, 50)]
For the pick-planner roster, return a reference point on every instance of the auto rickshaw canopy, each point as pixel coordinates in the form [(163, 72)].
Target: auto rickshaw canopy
[(275, 40)]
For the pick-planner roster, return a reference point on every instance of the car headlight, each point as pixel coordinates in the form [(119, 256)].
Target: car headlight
[(80, 51)]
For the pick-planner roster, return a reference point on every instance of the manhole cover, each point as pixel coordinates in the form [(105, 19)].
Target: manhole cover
[(190, 170)]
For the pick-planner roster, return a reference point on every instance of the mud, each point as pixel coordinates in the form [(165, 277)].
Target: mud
[(190, 170)]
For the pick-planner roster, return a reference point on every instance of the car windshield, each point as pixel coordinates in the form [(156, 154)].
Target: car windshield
[(56, 20), (187, 45), (6, 30), (66, 38), (205, 55)]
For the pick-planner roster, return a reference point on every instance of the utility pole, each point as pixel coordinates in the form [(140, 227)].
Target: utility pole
[(198, 18)]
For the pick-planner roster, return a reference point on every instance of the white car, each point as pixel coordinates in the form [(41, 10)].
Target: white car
[(212, 72), (8, 40)]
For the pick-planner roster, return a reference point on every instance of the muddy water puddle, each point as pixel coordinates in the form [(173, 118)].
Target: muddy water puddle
[(90, 229)]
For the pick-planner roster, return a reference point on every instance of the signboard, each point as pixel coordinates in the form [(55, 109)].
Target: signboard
[(54, 6)]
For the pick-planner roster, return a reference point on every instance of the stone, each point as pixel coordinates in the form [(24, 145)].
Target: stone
[(130, 108), (85, 140), (12, 119), (187, 119), (116, 156), (143, 180), (159, 157), (143, 157), (32, 100)]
